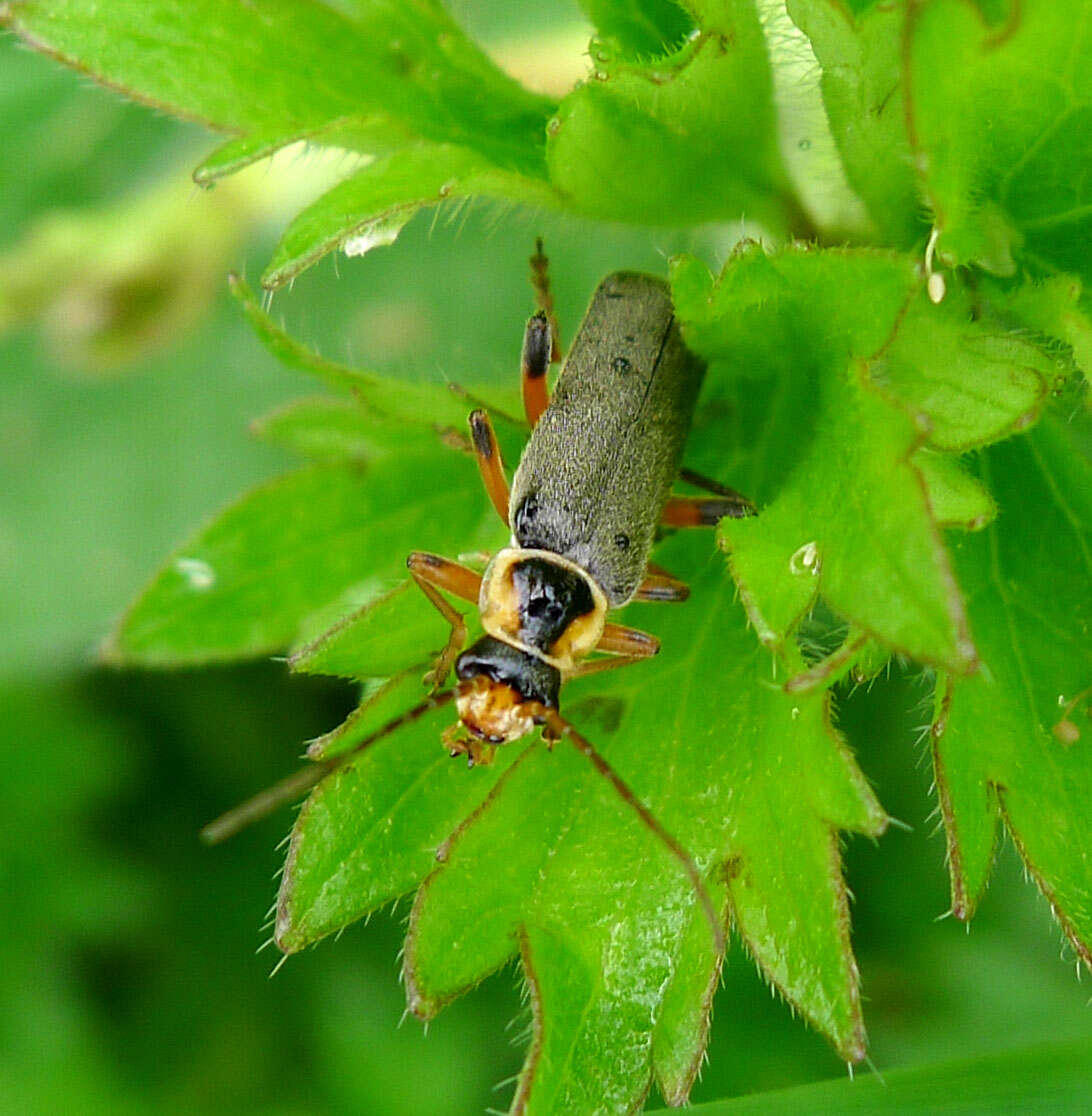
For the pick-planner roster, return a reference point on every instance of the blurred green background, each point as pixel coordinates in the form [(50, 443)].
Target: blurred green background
[(130, 981)]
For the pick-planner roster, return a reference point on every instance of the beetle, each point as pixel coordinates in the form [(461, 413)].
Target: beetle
[(592, 488)]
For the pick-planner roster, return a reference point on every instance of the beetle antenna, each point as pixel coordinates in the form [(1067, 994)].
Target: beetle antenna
[(300, 782), (557, 725)]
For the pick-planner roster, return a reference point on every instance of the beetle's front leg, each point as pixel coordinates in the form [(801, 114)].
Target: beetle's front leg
[(433, 573)]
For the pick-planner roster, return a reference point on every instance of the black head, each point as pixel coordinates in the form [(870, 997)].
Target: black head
[(502, 690), (530, 677)]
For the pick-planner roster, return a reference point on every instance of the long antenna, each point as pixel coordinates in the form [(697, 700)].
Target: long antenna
[(560, 727), (297, 784)]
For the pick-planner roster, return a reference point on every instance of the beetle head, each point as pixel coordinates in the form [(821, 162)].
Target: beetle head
[(501, 693)]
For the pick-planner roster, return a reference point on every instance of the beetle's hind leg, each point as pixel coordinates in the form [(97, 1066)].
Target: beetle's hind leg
[(544, 298), (704, 511), (700, 480), (433, 573), (630, 642), (659, 585), (490, 465), (534, 366), (541, 340)]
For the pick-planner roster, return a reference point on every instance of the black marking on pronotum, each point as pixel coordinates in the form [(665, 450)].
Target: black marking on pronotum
[(621, 365), (550, 597)]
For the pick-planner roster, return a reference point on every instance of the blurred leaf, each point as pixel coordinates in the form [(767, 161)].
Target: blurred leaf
[(859, 49), (1001, 124), (689, 137), (370, 208), (404, 69), (1011, 743), (430, 405), (111, 284), (641, 28), (850, 519), (245, 584), (1050, 1078), (326, 429)]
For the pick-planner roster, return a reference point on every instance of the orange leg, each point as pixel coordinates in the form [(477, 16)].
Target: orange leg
[(704, 511), (490, 465), (659, 585), (627, 641), (596, 666), (433, 573), (535, 363)]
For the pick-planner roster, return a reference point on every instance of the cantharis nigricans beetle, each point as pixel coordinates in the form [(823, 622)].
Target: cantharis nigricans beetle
[(592, 487)]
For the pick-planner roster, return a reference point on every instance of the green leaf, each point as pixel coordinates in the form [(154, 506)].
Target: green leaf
[(640, 28), (690, 137), (369, 208), (860, 53), (382, 705), (370, 830), (956, 498), (287, 69), (1049, 1078), (433, 405), (1001, 124), (848, 516), (385, 636), (1052, 308), (349, 134), (245, 584), (609, 926), (1011, 743), (973, 384), (325, 429)]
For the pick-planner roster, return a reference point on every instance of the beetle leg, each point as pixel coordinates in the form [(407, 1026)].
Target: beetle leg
[(700, 480), (596, 666), (540, 280), (627, 641), (659, 585), (433, 573), (704, 511), (490, 465), (535, 363), (297, 785)]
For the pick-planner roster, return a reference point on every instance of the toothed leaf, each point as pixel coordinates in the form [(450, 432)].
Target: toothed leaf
[(1011, 743)]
